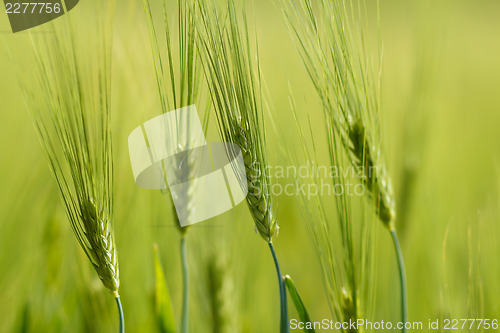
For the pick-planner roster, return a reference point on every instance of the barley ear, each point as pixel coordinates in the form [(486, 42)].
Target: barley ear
[(71, 104), (234, 83), (331, 40), (221, 293), (100, 247), (372, 173)]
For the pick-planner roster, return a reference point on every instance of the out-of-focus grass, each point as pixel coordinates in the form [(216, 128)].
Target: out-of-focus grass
[(45, 279)]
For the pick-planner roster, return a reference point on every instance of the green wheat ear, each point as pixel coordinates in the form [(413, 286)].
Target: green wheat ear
[(258, 198), (350, 310), (331, 42), (70, 101), (101, 246), (220, 287), (178, 80), (235, 90), (73, 121), (372, 174), (234, 83)]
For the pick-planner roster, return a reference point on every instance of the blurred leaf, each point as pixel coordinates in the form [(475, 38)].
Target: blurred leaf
[(25, 319), (297, 301), (164, 309)]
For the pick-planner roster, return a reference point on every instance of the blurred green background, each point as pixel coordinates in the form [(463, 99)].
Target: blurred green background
[(440, 126)]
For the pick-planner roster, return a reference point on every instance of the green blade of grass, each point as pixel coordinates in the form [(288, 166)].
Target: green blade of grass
[(164, 308), (297, 301)]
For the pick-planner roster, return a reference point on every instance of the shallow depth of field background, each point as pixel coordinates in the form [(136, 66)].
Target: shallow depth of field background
[(441, 131)]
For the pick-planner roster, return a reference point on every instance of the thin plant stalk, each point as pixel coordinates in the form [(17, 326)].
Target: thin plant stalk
[(185, 292), (284, 328), (402, 279), (120, 313)]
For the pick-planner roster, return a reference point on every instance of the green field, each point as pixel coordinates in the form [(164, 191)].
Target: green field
[(439, 123)]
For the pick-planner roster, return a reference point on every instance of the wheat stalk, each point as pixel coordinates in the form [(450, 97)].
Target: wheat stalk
[(72, 118)]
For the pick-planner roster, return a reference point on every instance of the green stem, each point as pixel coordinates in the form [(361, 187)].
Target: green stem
[(120, 313), (185, 294), (284, 328), (402, 278)]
